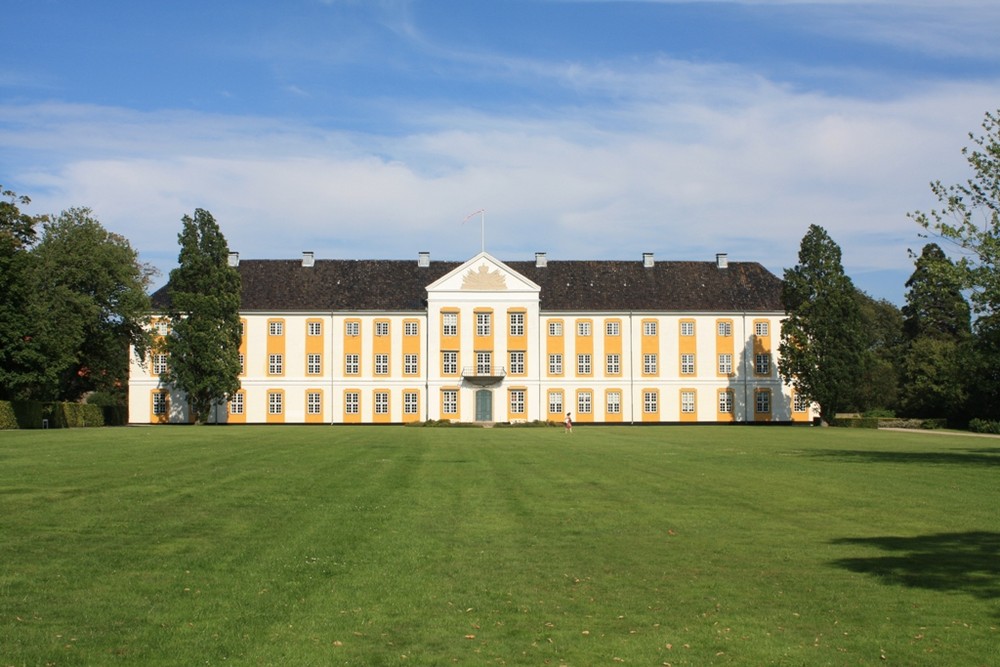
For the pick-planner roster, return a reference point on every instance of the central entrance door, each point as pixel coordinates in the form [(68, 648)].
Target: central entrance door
[(484, 405)]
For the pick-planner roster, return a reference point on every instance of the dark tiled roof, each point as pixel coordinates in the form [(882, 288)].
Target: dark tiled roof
[(400, 285)]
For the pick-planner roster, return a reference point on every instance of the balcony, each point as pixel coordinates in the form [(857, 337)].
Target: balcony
[(484, 375)]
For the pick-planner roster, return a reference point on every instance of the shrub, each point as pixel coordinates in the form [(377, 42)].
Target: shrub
[(29, 414), (984, 426), (8, 419), (855, 422)]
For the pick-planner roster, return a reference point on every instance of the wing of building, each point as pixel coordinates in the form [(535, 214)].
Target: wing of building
[(391, 341)]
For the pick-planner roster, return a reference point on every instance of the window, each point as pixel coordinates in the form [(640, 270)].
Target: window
[(315, 328), (449, 324), (649, 328), (555, 402), (555, 364), (484, 363), (159, 364), (159, 403), (584, 403), (352, 403), (726, 401), (314, 364), (725, 364), (275, 400), (687, 328), (555, 328), (276, 328), (649, 402), (411, 328), (762, 401), (449, 401), (517, 401), (275, 364), (762, 364), (243, 364), (449, 363), (517, 363), (236, 404), (612, 328), (799, 403), (760, 328), (483, 322), (725, 328), (243, 328), (583, 328), (410, 364), (687, 402), (687, 364), (583, 364), (352, 364), (381, 402), (381, 328), (381, 364), (410, 403), (614, 402), (649, 364), (516, 324), (352, 329), (314, 405), (614, 364), (162, 328)]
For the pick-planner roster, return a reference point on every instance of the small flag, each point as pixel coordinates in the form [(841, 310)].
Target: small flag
[(473, 214)]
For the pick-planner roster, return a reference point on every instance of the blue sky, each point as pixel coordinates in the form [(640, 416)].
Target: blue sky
[(586, 129)]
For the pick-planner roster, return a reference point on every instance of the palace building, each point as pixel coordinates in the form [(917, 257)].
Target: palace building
[(391, 341)]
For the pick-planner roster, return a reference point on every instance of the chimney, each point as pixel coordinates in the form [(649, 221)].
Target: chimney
[(234, 259), (647, 260), (308, 258), (423, 259), (721, 260), (540, 260)]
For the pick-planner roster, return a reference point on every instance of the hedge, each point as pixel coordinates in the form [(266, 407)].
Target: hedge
[(31, 414), (8, 419)]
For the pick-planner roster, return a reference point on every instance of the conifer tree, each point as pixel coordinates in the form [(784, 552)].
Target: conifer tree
[(203, 343)]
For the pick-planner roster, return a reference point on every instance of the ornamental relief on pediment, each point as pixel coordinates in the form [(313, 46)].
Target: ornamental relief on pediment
[(484, 280)]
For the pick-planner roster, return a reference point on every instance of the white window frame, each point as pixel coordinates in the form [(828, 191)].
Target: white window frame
[(516, 323), (649, 328), (381, 364), (411, 403), (583, 328), (411, 364), (315, 328), (275, 403), (159, 403), (449, 401), (612, 328), (517, 401), (411, 328), (275, 364), (352, 364), (726, 400), (761, 329), (516, 358), (314, 363), (382, 328), (762, 364), (484, 324), (724, 328), (555, 402), (614, 364), (555, 364), (276, 328), (314, 403), (449, 362), (687, 402), (237, 403), (687, 364), (649, 363), (584, 402), (555, 328), (584, 364), (762, 402), (352, 329), (381, 402), (725, 363), (449, 324), (650, 402), (687, 328), (614, 401), (484, 363), (352, 403)]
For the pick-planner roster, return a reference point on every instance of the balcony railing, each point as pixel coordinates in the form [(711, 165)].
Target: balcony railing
[(484, 374)]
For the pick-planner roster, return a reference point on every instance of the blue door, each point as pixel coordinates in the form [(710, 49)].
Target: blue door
[(484, 405)]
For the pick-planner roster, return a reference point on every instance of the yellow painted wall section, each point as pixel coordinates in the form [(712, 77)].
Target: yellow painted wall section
[(351, 345), (725, 416), (413, 416), (688, 344), (237, 418), (650, 416), (560, 415), (385, 417), (554, 345), (688, 416), (276, 345), (518, 343), (612, 345), (613, 416), (578, 416), (762, 416), (452, 343), (383, 345), (584, 345), (483, 343), (280, 418), (514, 416), (165, 417), (762, 344), (725, 345), (243, 351), (314, 345), (316, 418), (650, 345), (354, 418), (802, 415), (411, 344)]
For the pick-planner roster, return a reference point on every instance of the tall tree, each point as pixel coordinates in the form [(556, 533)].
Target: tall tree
[(937, 328), (95, 287), (203, 345), (969, 219), (882, 327), (22, 357), (822, 343)]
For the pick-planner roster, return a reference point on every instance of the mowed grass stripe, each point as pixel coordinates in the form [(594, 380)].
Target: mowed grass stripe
[(704, 545)]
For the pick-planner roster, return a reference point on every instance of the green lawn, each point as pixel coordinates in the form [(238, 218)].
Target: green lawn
[(422, 546)]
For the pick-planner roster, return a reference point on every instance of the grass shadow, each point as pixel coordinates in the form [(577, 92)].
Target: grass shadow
[(966, 562), (965, 457)]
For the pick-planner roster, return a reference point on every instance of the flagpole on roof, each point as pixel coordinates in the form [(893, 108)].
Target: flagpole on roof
[(482, 226)]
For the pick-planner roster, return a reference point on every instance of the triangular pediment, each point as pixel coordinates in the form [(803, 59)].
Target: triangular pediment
[(483, 273)]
